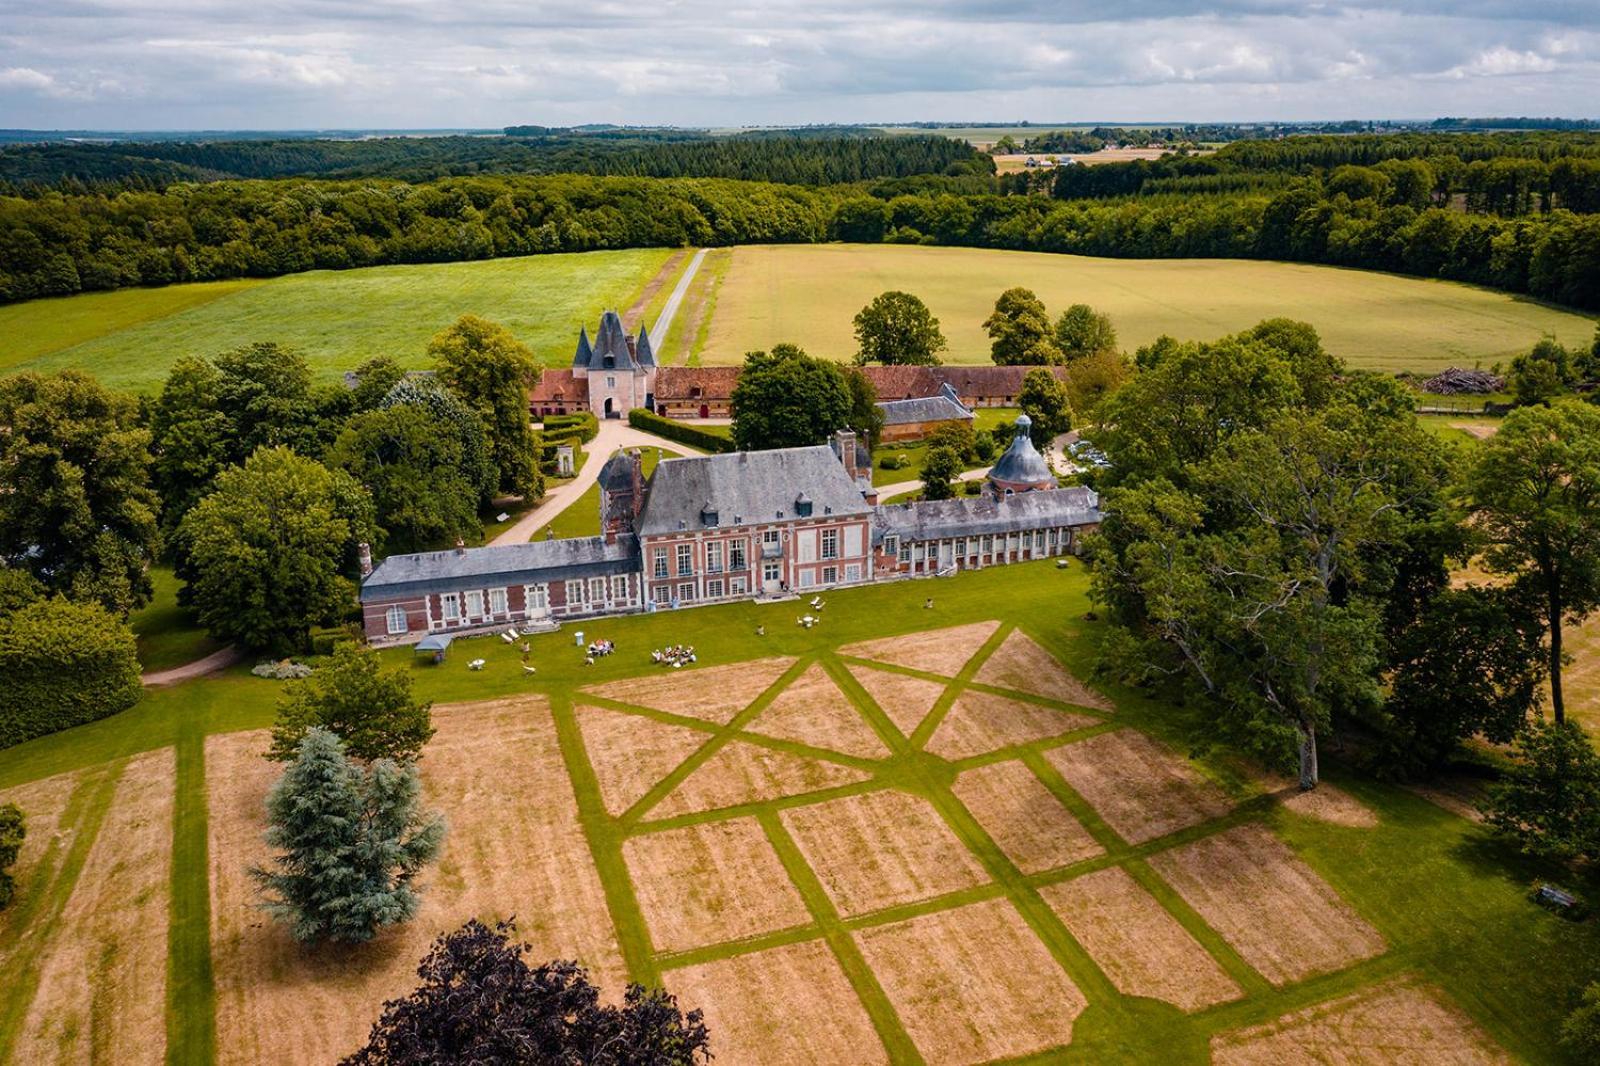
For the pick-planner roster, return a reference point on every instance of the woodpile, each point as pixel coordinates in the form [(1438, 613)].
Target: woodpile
[(1455, 381)]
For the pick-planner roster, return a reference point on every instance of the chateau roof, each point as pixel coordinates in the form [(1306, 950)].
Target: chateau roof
[(747, 488), (506, 564), (967, 516), (641, 349), (610, 350), (943, 406), (1022, 464)]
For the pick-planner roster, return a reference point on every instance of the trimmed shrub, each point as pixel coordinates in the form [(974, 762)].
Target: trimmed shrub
[(650, 422), (584, 425), (64, 664)]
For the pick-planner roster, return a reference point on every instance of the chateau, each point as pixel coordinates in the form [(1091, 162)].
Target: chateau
[(711, 529)]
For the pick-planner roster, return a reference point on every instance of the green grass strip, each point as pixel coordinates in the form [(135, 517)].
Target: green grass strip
[(191, 986)]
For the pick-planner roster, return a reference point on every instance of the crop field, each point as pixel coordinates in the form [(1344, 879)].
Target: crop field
[(335, 318), (808, 295), (908, 835)]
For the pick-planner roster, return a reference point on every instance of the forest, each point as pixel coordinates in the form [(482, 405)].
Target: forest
[(1516, 212)]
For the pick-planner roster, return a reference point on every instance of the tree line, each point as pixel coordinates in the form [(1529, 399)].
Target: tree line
[(777, 157)]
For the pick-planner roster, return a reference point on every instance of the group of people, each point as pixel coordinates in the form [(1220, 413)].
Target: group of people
[(597, 648), (674, 655)]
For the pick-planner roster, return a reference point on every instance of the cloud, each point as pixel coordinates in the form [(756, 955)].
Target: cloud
[(328, 63)]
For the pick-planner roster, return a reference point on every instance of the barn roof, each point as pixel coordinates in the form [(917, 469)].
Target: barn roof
[(560, 385), (679, 382), (943, 406)]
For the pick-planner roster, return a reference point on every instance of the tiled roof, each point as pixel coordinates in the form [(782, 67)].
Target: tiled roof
[(508, 564), (909, 382), (560, 385), (941, 407), (747, 488), (679, 382), (1021, 464), (967, 516)]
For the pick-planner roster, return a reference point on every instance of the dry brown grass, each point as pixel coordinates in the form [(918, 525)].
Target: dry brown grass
[(881, 849), (787, 1006), (973, 983), (103, 972), (631, 753), (935, 651), (813, 711), (43, 804), (1326, 803), (516, 847), (981, 722), (1480, 430), (1020, 663), (749, 773), (1271, 907), (1142, 948), (1580, 679), (1459, 795), (705, 884), (1141, 789), (712, 693), (1399, 1023), (905, 699), (1028, 823)]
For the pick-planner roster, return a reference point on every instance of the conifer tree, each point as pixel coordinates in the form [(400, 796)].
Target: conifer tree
[(351, 842)]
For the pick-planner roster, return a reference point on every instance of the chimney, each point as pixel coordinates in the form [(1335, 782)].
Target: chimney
[(844, 442), (364, 554), (461, 546)]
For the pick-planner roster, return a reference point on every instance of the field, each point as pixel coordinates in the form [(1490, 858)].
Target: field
[(336, 319), (907, 835), (1011, 164), (808, 295)]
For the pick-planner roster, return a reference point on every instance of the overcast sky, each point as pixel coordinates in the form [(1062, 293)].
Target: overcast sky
[(277, 64)]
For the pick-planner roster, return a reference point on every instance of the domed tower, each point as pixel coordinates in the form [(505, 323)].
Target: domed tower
[(1021, 468)]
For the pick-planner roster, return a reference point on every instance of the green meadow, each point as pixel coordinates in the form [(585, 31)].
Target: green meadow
[(809, 294), (335, 318)]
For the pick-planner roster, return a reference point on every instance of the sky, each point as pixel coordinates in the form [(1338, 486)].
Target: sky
[(328, 64)]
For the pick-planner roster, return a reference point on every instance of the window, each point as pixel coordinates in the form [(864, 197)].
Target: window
[(686, 593), (738, 586), (769, 538), (905, 552), (497, 602), (830, 575), (474, 604), (852, 573), (830, 544), (661, 562), (714, 589), (891, 544), (536, 597), (1038, 540), (736, 555), (771, 572), (662, 594), (574, 593), (685, 560), (988, 545), (396, 617), (450, 607), (597, 590), (619, 587), (611, 382), (714, 557), (961, 545), (807, 579), (918, 552)]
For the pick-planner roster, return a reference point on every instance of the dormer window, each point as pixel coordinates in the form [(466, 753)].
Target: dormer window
[(802, 506), (708, 516)]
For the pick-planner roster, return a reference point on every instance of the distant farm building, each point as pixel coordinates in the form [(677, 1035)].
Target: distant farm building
[(915, 418)]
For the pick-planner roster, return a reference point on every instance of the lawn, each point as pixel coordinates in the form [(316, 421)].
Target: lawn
[(906, 835), (336, 319), (915, 452), (809, 294), (169, 635)]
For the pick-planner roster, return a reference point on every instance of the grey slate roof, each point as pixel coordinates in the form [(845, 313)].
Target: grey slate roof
[(943, 406), (967, 516), (1022, 462), (747, 488), (585, 353), (641, 349), (610, 348), (401, 576)]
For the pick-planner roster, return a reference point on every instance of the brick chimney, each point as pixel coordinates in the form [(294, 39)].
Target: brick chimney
[(844, 443), (364, 555)]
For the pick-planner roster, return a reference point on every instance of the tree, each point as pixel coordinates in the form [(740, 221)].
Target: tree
[(897, 329), (370, 709), (939, 472), (1093, 378), (1541, 374), (375, 378), (18, 588), (351, 842), (1020, 330), (411, 463), (1549, 801), (866, 417), (1044, 400), (76, 507), (1472, 664), (1081, 331), (190, 435), (264, 391), (477, 464), (492, 371), (480, 1002), (788, 399), (264, 555), (13, 829), (1580, 1032), (959, 437), (64, 664), (1533, 489)]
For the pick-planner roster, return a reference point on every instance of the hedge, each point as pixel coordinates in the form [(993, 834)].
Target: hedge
[(682, 432), (64, 664), (586, 425)]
